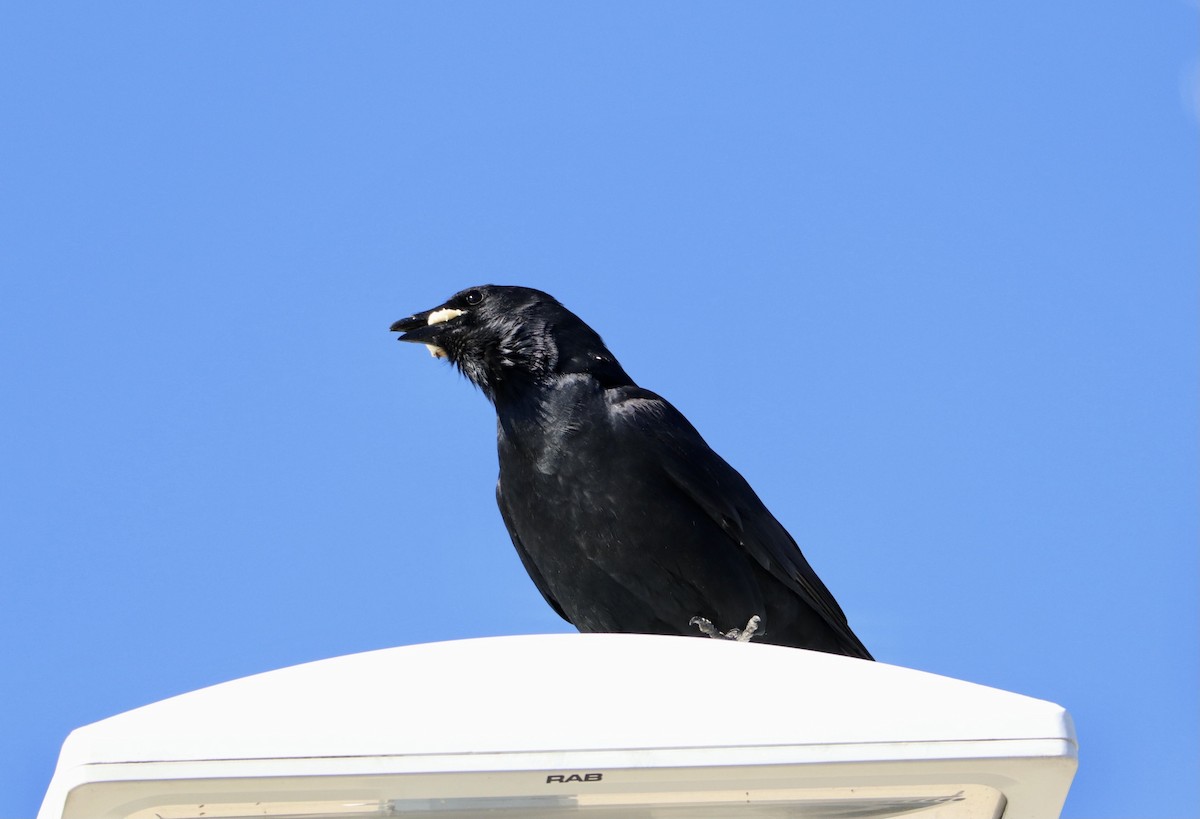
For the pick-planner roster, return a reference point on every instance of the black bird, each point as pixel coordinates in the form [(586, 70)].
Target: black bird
[(623, 516)]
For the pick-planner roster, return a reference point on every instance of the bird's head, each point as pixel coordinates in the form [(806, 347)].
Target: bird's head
[(508, 339)]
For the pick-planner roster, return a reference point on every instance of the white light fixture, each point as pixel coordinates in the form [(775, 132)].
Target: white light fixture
[(559, 726)]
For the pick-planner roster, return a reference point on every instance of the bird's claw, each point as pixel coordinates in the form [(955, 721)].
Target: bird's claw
[(706, 627), (748, 631), (741, 635)]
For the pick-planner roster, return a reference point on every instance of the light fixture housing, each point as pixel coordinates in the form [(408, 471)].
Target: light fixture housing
[(558, 726)]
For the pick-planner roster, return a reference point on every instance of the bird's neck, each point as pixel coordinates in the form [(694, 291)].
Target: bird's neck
[(534, 417)]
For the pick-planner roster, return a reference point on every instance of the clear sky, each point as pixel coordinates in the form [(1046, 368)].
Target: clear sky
[(925, 273)]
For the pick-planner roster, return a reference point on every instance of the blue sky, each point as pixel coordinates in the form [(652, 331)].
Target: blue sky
[(925, 273)]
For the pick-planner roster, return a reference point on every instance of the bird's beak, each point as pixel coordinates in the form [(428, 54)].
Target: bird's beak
[(424, 328)]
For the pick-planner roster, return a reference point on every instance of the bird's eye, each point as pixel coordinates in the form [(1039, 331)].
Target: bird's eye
[(473, 297)]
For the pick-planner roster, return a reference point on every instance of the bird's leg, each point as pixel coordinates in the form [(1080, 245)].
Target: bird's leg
[(740, 635)]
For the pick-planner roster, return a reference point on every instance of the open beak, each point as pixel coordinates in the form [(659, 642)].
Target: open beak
[(424, 328)]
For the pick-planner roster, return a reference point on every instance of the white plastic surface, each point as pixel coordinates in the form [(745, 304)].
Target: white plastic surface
[(565, 702)]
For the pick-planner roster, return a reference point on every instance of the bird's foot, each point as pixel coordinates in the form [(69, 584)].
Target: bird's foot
[(741, 635), (745, 634), (706, 627)]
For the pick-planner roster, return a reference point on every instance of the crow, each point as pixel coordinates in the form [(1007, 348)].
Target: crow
[(623, 516)]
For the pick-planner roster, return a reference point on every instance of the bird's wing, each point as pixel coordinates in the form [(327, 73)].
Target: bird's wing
[(529, 565), (726, 497)]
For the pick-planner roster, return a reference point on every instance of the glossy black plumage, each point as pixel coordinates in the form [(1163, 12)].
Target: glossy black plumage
[(623, 516)]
